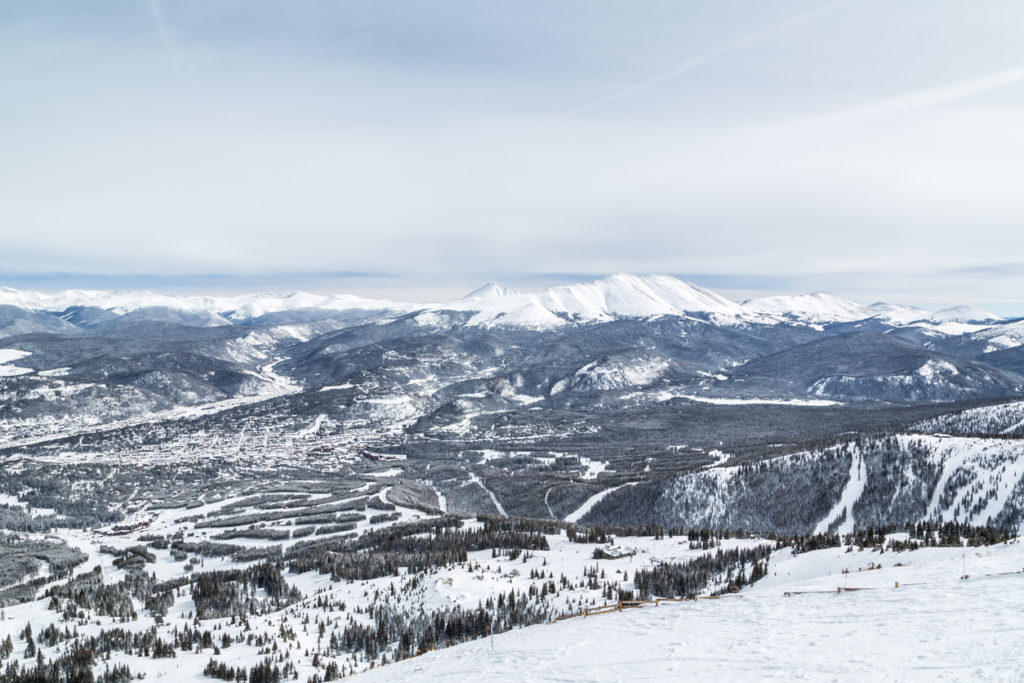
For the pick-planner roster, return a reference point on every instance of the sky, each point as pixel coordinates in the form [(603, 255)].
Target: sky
[(416, 150)]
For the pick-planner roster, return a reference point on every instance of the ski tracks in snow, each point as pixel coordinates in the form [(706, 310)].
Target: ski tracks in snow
[(854, 487), (494, 498)]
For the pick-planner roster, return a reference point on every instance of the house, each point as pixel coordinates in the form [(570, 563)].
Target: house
[(613, 552)]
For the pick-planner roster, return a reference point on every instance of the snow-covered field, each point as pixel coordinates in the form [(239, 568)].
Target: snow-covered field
[(792, 624), (935, 626)]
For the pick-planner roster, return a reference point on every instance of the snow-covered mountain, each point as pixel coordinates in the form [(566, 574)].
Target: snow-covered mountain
[(964, 314), (237, 308), (639, 339), (234, 441), (819, 307), (616, 297), (611, 298)]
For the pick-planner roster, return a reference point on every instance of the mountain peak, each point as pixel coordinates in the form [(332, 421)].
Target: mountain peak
[(488, 291), (964, 314), (819, 307)]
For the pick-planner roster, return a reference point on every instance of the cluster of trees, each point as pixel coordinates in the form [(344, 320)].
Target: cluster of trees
[(233, 591), (606, 534), (688, 579), (267, 533), (87, 591), (77, 493), (267, 553), (317, 511), (418, 546), (576, 533), (22, 557), (15, 518), (999, 421), (74, 665), (409, 634), (931, 535), (266, 671)]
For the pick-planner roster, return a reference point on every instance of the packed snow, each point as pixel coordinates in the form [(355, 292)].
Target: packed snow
[(793, 624)]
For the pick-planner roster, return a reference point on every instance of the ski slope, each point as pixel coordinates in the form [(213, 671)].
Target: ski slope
[(936, 626)]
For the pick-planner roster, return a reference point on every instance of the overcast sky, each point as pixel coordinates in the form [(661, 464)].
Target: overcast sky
[(418, 149)]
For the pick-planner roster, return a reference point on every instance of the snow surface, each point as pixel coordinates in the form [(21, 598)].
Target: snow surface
[(1000, 337), (852, 492), (964, 314), (617, 296), (935, 626), (9, 355), (897, 314), (820, 307), (589, 503)]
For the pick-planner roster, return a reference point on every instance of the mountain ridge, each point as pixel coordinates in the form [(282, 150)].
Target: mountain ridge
[(614, 297)]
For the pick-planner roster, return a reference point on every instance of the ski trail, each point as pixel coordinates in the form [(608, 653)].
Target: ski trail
[(442, 502), (582, 510), (241, 438), (951, 464), (1002, 488), (854, 487), (312, 429), (1013, 427), (494, 498), (547, 504)]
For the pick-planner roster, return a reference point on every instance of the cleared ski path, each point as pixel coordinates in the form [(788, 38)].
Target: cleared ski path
[(578, 514), (854, 488), (494, 498)]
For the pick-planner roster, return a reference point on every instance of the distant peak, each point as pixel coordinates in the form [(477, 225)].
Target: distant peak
[(818, 307), (488, 291), (964, 314)]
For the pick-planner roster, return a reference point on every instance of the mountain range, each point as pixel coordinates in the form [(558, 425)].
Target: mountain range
[(636, 347), (616, 297)]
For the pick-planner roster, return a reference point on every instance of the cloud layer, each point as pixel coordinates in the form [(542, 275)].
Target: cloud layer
[(858, 147)]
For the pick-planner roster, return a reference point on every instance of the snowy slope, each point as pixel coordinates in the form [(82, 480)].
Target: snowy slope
[(897, 314), (964, 314), (998, 337), (617, 296), (934, 626), (819, 307), (236, 308)]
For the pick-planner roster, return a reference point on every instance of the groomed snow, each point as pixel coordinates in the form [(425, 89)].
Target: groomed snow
[(589, 503), (936, 626)]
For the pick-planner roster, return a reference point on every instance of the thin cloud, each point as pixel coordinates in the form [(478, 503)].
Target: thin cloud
[(733, 46), (927, 98)]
